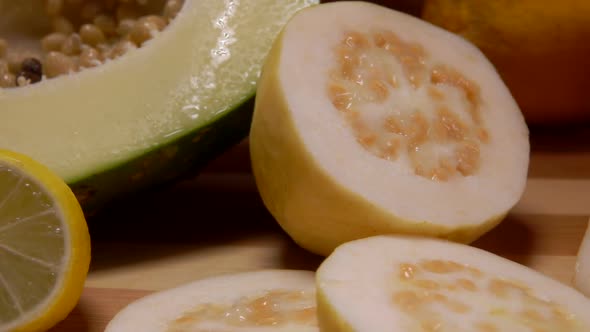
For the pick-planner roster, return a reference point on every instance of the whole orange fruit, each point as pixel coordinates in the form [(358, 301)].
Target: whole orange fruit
[(541, 48)]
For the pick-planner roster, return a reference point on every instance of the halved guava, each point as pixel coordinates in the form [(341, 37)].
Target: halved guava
[(403, 283), (158, 111), (370, 121), (264, 300), (582, 272)]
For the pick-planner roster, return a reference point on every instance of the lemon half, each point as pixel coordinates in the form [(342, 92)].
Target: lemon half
[(44, 246)]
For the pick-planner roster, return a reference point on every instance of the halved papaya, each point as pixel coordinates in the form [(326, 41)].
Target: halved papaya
[(179, 96)]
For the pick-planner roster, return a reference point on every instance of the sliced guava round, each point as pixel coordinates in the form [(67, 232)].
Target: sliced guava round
[(582, 272), (404, 283), (264, 300), (370, 121)]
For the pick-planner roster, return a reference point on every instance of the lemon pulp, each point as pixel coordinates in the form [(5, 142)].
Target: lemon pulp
[(44, 246)]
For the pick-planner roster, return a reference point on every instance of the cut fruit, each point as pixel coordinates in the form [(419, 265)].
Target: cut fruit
[(388, 283), (153, 114), (44, 246), (265, 300), (370, 121), (41, 40), (582, 273)]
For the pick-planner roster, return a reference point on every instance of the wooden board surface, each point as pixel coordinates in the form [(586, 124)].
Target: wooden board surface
[(216, 224)]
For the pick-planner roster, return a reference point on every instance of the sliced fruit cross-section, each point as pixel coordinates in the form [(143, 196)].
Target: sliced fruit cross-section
[(371, 121), (44, 246), (266, 300), (582, 273), (388, 283)]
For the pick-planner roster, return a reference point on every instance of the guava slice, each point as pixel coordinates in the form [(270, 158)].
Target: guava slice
[(582, 273), (403, 283), (370, 121), (263, 300)]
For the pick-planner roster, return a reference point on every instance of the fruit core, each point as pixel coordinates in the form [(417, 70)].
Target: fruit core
[(272, 308), (398, 102), (82, 34), (445, 295)]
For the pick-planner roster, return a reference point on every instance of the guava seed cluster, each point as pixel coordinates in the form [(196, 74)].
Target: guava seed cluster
[(84, 34), (445, 295), (375, 72), (273, 308)]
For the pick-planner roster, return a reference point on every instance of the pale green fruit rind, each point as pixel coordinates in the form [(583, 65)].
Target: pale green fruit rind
[(308, 203), (170, 162), (79, 242)]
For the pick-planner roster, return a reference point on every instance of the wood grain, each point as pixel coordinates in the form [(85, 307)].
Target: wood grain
[(95, 309), (216, 223)]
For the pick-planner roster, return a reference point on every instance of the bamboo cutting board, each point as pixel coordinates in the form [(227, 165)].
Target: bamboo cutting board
[(216, 224)]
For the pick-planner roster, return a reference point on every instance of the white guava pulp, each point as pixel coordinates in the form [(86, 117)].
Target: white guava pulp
[(326, 183), (264, 300), (393, 283)]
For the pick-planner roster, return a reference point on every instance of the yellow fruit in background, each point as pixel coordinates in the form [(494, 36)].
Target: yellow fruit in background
[(540, 47)]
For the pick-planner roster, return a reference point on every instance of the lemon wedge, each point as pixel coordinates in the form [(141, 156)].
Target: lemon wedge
[(44, 246)]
